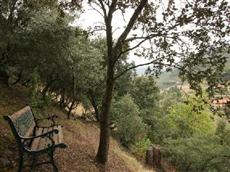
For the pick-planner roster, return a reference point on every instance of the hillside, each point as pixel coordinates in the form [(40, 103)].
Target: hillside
[(165, 80), (81, 137)]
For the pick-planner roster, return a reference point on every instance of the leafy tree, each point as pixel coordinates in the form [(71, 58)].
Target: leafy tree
[(47, 42), (171, 40), (201, 153), (123, 84), (130, 127), (14, 17), (95, 89), (145, 92), (168, 98), (158, 116), (146, 95), (140, 147), (190, 118)]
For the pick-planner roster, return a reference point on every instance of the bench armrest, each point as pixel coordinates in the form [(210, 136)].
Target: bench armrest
[(47, 134), (52, 117)]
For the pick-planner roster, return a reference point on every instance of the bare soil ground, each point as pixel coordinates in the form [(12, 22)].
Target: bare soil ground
[(81, 138)]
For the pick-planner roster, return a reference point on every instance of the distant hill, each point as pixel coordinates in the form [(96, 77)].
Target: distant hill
[(168, 79), (165, 80)]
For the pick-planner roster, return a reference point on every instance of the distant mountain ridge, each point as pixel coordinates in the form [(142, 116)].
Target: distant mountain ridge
[(169, 79)]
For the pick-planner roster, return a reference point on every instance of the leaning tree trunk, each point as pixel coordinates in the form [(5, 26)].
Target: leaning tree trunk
[(102, 154), (62, 98), (70, 109), (95, 107)]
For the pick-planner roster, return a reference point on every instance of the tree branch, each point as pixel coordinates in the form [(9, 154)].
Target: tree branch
[(132, 48), (175, 65), (103, 8), (133, 67), (131, 23), (112, 8)]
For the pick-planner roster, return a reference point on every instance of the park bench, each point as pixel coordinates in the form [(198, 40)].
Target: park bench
[(34, 140)]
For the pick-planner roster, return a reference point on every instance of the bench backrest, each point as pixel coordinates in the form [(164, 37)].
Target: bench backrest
[(22, 122)]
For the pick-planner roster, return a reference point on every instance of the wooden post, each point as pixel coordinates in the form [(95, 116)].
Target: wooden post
[(153, 157), (149, 156)]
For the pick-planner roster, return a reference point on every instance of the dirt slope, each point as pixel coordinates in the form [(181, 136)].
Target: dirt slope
[(81, 137)]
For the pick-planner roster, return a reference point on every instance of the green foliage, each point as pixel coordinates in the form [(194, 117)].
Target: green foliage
[(190, 118), (168, 98), (139, 148), (145, 92), (181, 119), (61, 54), (38, 35), (37, 101), (159, 130), (204, 151), (201, 153), (223, 131), (146, 95), (130, 127)]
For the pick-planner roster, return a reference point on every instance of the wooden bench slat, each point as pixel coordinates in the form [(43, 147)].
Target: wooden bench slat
[(54, 135), (41, 143), (43, 139), (36, 141)]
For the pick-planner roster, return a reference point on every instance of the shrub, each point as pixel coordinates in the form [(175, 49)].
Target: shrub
[(209, 153), (37, 101), (130, 127), (198, 154), (190, 118), (139, 148)]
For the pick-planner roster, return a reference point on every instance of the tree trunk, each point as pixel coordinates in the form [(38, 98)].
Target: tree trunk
[(102, 154), (112, 55), (62, 98), (70, 109), (96, 110), (45, 90), (4, 77), (97, 113)]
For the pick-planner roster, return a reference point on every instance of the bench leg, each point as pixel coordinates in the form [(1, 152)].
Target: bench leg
[(51, 155), (55, 169), (21, 162)]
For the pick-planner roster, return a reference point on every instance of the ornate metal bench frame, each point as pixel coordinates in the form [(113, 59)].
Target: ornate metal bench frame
[(25, 150)]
